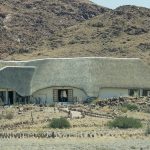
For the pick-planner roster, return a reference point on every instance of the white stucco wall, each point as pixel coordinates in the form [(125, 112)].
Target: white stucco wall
[(79, 94), (47, 94), (113, 92)]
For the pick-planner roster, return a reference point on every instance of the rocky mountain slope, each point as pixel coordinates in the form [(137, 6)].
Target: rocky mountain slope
[(123, 32), (25, 23), (69, 28)]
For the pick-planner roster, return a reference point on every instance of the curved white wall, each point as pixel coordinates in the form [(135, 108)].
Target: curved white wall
[(46, 95)]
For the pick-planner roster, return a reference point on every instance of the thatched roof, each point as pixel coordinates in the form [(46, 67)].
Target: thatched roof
[(89, 74), (17, 78)]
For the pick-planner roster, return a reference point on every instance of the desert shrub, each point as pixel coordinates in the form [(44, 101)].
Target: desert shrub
[(95, 101), (1, 116), (147, 110), (124, 123), (9, 115), (73, 41), (131, 107), (28, 107), (97, 24), (147, 132), (124, 109), (51, 105), (59, 123), (41, 105)]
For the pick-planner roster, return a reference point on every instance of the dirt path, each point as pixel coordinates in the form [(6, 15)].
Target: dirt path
[(110, 143)]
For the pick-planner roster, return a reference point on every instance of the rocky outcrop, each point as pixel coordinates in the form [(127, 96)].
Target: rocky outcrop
[(24, 25), (144, 47), (71, 28)]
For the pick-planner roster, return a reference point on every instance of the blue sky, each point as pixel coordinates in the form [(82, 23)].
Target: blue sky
[(115, 3)]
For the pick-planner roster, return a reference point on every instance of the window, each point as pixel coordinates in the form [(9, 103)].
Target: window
[(134, 92), (62, 95), (146, 92)]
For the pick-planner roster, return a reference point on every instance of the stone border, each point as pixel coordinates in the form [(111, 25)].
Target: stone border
[(59, 134)]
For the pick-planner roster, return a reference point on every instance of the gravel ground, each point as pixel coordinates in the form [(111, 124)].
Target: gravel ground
[(105, 143)]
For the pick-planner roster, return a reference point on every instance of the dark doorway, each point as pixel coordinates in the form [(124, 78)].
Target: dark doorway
[(146, 92), (63, 95), (2, 97), (134, 92), (11, 97)]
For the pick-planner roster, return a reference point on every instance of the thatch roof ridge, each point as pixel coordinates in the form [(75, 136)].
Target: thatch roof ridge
[(17, 67), (65, 58), (88, 73)]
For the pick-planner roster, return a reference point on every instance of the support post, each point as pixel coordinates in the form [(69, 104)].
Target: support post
[(141, 92), (6, 97), (14, 97)]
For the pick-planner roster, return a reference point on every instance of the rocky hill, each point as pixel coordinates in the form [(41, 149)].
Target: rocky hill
[(25, 23), (69, 28), (123, 32)]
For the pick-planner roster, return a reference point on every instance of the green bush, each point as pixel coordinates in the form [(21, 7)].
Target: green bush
[(147, 110), (147, 130), (73, 41), (1, 116), (124, 109), (124, 123), (9, 115), (52, 105), (59, 123), (131, 107)]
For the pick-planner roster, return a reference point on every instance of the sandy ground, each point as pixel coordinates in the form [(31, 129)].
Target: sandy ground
[(109, 143), (87, 124)]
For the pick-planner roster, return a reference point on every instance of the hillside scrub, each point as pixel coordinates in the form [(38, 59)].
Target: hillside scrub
[(147, 132), (59, 123), (125, 123), (131, 107), (9, 115)]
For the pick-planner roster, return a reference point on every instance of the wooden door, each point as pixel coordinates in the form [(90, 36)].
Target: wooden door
[(70, 95), (55, 95)]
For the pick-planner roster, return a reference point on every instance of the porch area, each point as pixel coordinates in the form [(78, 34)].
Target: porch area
[(10, 97)]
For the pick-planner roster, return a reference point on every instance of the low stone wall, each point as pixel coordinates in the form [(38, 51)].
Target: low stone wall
[(141, 101), (18, 125), (92, 114), (87, 113), (59, 134)]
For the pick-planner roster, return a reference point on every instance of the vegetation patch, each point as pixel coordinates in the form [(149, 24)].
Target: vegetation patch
[(97, 24), (131, 107), (147, 110), (147, 132), (9, 115), (124, 123), (124, 109), (59, 123), (1, 116)]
